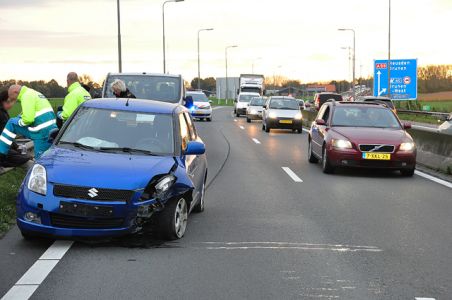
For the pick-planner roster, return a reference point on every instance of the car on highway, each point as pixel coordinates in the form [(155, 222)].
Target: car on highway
[(201, 108), (382, 100), (323, 97), (242, 102), (116, 165), (361, 135), (282, 113), (152, 86), (254, 109)]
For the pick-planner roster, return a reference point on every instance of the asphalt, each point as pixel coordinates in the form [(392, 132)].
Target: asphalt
[(351, 235)]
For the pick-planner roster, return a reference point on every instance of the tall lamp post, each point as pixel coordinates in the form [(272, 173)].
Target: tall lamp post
[(349, 58), (119, 37), (199, 60), (226, 60), (354, 58), (389, 52), (164, 38)]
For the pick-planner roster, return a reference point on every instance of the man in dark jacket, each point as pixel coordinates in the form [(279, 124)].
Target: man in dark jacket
[(14, 158)]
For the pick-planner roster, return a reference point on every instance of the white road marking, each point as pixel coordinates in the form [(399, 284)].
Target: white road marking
[(235, 120), (432, 178), (256, 141), (292, 174), (421, 298), (30, 281), (287, 246), (241, 127)]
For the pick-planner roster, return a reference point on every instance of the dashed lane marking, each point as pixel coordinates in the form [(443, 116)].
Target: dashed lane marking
[(292, 174), (256, 141)]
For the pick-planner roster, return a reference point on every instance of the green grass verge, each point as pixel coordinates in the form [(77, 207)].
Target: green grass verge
[(419, 118), (221, 102), (9, 185), (55, 102), (437, 106)]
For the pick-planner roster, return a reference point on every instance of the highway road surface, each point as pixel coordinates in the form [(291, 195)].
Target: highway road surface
[(275, 227)]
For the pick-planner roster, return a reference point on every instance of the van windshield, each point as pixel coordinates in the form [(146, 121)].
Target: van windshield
[(159, 88)]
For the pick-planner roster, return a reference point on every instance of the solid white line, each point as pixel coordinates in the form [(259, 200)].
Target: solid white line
[(235, 120), (241, 127), (58, 250), (256, 141), (30, 281), (422, 298), (38, 272), (432, 178), (292, 174)]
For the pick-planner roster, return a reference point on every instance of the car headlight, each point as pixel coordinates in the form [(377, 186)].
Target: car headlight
[(341, 144), (272, 115), (298, 116), (37, 182), (164, 184), (407, 146)]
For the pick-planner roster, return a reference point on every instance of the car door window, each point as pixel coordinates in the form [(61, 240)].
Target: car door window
[(184, 131), (321, 112)]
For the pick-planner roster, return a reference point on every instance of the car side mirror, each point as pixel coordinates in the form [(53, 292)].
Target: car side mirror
[(188, 101), (195, 148), (264, 106), (320, 122), (210, 101), (235, 101), (53, 135), (406, 125)]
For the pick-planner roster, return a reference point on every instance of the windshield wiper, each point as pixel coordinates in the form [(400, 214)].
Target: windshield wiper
[(127, 150), (77, 145)]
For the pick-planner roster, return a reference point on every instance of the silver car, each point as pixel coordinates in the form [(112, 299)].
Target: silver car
[(255, 108), (282, 113)]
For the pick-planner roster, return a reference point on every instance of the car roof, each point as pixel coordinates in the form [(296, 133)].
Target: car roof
[(357, 104), (143, 74), (282, 97), (248, 93), (369, 98), (136, 105)]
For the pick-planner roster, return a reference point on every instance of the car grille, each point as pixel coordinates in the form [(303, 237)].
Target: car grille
[(380, 148), (65, 221), (93, 194)]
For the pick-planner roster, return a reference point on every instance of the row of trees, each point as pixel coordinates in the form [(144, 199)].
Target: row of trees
[(435, 78), (50, 89), (208, 84)]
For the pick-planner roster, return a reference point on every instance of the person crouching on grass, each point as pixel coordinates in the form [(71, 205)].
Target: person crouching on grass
[(36, 121), (14, 157)]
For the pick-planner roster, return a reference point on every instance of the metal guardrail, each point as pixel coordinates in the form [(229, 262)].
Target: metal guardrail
[(425, 113)]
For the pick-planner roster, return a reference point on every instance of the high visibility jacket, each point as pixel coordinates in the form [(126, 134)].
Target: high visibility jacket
[(37, 113), (77, 95)]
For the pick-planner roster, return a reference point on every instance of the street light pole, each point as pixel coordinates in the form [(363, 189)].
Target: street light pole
[(354, 59), (349, 59), (226, 61), (119, 37), (164, 37), (199, 60), (389, 52)]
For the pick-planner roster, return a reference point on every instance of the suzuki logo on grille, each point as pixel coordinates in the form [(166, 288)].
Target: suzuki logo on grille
[(93, 193)]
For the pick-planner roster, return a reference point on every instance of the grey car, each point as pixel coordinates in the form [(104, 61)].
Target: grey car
[(282, 113), (255, 108)]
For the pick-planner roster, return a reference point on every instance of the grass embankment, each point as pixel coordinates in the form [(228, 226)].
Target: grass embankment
[(9, 185), (420, 119), (55, 102), (221, 102)]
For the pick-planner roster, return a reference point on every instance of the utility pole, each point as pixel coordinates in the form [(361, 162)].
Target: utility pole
[(164, 37), (226, 60), (354, 59), (389, 52), (119, 37), (199, 60)]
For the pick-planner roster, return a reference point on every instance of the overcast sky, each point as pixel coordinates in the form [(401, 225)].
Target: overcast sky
[(44, 39)]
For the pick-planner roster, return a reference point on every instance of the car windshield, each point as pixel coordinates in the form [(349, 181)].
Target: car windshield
[(198, 97), (102, 129), (246, 98), (364, 117), (257, 102), (160, 88), (284, 103)]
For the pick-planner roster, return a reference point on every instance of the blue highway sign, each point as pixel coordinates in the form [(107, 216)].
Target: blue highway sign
[(403, 79)]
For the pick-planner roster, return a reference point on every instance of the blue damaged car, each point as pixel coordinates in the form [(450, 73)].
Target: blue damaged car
[(115, 165)]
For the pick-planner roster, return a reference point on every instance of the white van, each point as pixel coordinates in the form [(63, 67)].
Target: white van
[(242, 102)]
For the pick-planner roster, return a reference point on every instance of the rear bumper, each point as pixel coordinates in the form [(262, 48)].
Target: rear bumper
[(276, 124), (254, 116), (201, 113), (240, 111), (353, 158)]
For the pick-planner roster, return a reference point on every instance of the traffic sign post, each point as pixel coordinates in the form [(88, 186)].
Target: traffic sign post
[(403, 79)]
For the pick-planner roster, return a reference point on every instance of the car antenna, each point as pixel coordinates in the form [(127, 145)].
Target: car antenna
[(127, 102)]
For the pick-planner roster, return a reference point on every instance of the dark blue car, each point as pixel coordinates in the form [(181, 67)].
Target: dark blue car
[(115, 165)]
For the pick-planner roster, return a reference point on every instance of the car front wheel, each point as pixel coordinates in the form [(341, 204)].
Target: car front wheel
[(173, 219), (311, 157), (407, 172), (326, 166)]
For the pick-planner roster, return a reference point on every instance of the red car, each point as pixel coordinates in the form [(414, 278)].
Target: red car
[(363, 135)]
